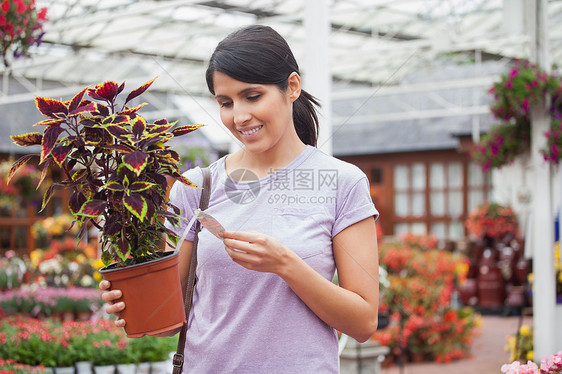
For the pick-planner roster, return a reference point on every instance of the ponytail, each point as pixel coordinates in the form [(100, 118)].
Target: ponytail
[(306, 118)]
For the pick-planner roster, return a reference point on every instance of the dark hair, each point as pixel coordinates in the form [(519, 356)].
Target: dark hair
[(258, 54)]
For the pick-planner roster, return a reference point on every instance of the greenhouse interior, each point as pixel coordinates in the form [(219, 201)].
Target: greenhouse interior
[(450, 109)]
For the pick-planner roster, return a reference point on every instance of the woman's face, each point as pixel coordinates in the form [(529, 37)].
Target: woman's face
[(259, 115)]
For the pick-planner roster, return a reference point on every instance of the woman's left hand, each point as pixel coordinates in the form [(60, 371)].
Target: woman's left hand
[(257, 251)]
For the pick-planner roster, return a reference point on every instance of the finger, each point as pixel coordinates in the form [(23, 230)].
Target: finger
[(247, 236), (120, 323), (238, 245), (110, 296), (105, 285), (115, 308)]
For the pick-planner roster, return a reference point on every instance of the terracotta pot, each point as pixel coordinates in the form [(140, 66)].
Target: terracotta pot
[(152, 294)]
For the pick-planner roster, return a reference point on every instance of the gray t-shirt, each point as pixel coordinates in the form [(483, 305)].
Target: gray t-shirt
[(244, 321)]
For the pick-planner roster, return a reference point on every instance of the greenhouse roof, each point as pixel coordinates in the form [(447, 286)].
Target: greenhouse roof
[(373, 44), (371, 41)]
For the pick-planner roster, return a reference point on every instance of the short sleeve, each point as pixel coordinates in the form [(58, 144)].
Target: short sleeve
[(354, 205), (186, 199)]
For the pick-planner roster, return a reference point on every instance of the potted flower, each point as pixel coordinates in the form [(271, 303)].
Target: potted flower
[(116, 164), (491, 220)]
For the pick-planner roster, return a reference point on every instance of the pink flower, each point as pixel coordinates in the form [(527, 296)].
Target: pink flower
[(513, 73), (509, 85), (5, 6)]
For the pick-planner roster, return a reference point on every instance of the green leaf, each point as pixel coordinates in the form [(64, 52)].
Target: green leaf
[(137, 205)]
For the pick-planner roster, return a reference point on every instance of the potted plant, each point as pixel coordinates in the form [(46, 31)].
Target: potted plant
[(116, 164)]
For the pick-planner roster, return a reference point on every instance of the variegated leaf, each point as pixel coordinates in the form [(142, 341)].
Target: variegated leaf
[(76, 100), (92, 208), (129, 111), (16, 165), (77, 199), (49, 122), (138, 91), (136, 204), (28, 139), (44, 172), (50, 138), (184, 180), (50, 107), (88, 107), (59, 153), (136, 161), (140, 186), (114, 186), (117, 131), (104, 91), (47, 196), (182, 130), (138, 126)]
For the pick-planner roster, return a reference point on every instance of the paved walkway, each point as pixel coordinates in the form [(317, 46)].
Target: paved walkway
[(488, 351)]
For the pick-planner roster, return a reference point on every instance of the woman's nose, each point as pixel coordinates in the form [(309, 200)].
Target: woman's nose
[(241, 115)]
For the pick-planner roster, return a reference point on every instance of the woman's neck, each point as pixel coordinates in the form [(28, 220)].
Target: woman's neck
[(264, 163)]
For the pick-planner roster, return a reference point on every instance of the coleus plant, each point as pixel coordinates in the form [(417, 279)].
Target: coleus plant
[(115, 163)]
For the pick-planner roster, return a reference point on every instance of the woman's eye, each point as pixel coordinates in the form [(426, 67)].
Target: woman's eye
[(254, 97), (225, 104)]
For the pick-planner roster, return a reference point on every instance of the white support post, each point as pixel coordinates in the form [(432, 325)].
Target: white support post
[(317, 78), (544, 291)]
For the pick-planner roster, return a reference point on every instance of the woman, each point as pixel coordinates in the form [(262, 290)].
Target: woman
[(264, 300)]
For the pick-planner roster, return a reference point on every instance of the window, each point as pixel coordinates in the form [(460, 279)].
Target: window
[(435, 196)]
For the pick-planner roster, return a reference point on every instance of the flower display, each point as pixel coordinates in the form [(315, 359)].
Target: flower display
[(491, 219), (424, 325), (21, 189), (45, 302), (549, 365), (21, 26), (53, 343), (13, 367), (13, 271), (524, 85)]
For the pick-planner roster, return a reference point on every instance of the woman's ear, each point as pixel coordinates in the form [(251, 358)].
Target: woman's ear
[(294, 86)]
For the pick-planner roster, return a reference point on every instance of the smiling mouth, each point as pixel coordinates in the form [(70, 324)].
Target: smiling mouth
[(252, 131)]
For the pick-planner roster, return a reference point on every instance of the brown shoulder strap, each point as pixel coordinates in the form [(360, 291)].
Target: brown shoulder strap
[(203, 204)]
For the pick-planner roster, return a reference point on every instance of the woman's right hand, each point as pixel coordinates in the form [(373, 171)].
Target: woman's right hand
[(109, 296)]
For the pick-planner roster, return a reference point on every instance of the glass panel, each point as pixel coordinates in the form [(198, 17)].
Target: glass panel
[(400, 177), (438, 230), (5, 238), (475, 175), (437, 175), (418, 176), (400, 229), (455, 204), (401, 204), (456, 230), (418, 204), (21, 237), (437, 203), (475, 198), (454, 175), (419, 228)]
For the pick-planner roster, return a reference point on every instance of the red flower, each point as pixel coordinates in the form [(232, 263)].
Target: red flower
[(5, 6)]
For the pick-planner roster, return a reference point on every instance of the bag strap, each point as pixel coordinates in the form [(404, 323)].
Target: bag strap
[(203, 204)]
